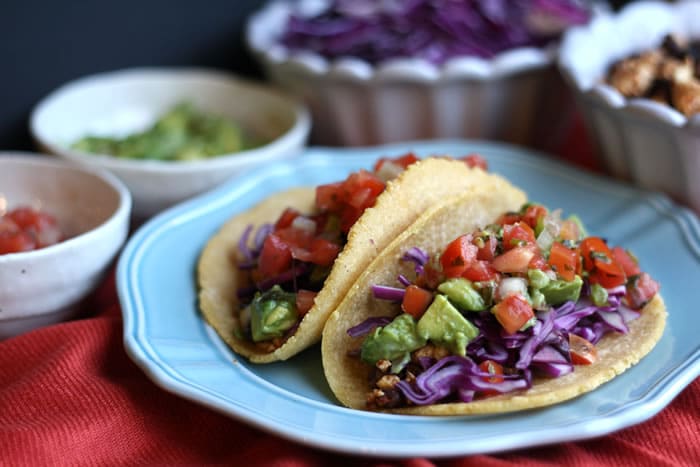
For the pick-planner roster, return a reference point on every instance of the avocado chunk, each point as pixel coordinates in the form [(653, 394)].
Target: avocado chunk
[(559, 291), (462, 293), (443, 324), (537, 279), (393, 342), (599, 295), (272, 313)]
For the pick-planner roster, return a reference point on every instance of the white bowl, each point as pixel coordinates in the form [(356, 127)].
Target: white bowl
[(92, 207), (518, 96), (123, 102), (638, 139)]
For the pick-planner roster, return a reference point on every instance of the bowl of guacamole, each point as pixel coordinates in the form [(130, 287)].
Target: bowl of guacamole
[(169, 133)]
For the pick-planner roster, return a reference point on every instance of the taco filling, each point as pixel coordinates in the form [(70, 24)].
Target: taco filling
[(525, 298), (285, 264)]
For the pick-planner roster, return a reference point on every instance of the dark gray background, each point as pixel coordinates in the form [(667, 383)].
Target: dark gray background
[(44, 44)]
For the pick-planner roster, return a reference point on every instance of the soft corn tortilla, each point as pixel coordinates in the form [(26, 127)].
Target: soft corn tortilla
[(418, 188), (348, 377)]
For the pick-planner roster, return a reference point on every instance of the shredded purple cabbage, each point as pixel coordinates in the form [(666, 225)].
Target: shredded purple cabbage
[(417, 257), (368, 325), (544, 348), (434, 30), (460, 376), (403, 280), (250, 255), (384, 292)]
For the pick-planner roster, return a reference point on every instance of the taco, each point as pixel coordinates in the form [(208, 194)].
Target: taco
[(271, 276), (473, 311)]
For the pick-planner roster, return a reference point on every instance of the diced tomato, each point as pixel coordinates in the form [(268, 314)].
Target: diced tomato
[(431, 277), (329, 197), (514, 260), (286, 218), (513, 312), (626, 261), (534, 215), (582, 352), (404, 161), (569, 230), (475, 160), (295, 237), (492, 368), (15, 242), (538, 261), (41, 226), (509, 218), (416, 300), (563, 260), (517, 234), (348, 217), (487, 247), (495, 369), (458, 256), (8, 225), (480, 271), (640, 290), (349, 199), (589, 247), (599, 262), (275, 257), (305, 300), (323, 252), (361, 198), (365, 182)]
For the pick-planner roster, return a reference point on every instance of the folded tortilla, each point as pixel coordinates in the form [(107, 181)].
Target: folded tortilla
[(349, 377), (421, 186)]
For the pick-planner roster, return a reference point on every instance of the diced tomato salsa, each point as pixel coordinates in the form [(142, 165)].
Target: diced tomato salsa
[(26, 229)]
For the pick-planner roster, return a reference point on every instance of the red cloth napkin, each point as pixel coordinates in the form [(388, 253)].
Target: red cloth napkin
[(69, 395)]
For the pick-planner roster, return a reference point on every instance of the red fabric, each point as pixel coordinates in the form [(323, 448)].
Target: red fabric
[(69, 395)]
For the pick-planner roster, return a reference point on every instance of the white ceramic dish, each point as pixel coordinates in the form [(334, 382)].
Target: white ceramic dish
[(167, 337), (517, 96), (123, 102), (638, 139), (92, 207)]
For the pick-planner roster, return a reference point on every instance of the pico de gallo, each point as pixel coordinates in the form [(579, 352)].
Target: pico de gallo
[(287, 262), (531, 294), (25, 229)]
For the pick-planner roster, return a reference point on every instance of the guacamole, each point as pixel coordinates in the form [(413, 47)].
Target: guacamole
[(182, 133)]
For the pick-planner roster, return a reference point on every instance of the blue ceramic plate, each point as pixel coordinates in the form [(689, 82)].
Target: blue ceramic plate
[(165, 335)]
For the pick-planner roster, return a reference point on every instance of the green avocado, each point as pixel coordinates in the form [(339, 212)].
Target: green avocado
[(557, 292), (272, 314), (393, 342), (462, 293), (443, 324)]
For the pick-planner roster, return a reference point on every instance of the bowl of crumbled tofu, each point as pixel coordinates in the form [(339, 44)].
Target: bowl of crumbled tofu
[(636, 74)]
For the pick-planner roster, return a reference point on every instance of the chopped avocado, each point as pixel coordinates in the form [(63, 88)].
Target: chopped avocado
[(537, 278), (443, 324), (599, 295), (539, 302), (560, 291), (393, 342), (183, 132), (272, 313), (462, 293)]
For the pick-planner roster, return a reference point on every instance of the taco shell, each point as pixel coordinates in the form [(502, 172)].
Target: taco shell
[(421, 186), (348, 377)]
